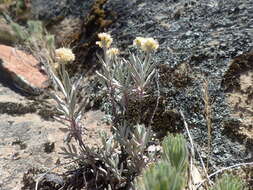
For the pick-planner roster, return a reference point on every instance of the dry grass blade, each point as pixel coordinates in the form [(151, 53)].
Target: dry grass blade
[(208, 115)]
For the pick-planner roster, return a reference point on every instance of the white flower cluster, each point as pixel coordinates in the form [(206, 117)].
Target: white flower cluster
[(105, 40), (146, 44), (64, 55)]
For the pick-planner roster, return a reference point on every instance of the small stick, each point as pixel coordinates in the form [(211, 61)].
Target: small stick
[(192, 149), (224, 169), (157, 100)]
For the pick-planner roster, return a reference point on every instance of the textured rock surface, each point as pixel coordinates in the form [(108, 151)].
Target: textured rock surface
[(49, 10), (22, 140), (62, 18), (23, 69), (238, 82), (28, 142)]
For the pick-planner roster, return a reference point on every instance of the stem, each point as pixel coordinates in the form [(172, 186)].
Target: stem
[(192, 149), (224, 169), (157, 100)]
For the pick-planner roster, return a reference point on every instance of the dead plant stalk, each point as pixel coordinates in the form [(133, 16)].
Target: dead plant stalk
[(208, 116)]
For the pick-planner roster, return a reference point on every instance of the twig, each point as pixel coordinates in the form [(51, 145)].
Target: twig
[(157, 100), (224, 169), (191, 142), (42, 176), (192, 149)]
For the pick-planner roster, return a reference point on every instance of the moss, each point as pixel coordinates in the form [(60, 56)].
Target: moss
[(95, 23), (98, 14), (179, 76), (164, 121)]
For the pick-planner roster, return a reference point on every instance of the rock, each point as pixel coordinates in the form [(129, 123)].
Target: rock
[(47, 9), (22, 69), (49, 147), (238, 83), (62, 18), (22, 146), (66, 30)]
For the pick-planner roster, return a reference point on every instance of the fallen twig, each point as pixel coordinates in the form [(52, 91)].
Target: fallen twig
[(192, 149), (224, 169)]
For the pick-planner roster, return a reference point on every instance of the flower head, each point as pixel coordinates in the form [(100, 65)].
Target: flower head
[(139, 41), (149, 45), (105, 40), (112, 52), (64, 55), (146, 44)]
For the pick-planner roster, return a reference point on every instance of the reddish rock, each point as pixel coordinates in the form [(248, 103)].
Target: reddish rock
[(23, 69)]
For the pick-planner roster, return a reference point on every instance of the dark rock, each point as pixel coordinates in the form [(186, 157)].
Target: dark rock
[(48, 147), (62, 18), (12, 108), (49, 11)]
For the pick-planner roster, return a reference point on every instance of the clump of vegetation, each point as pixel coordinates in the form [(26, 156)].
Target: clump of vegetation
[(124, 154), (35, 38), (130, 152), (172, 172), (228, 182), (20, 9)]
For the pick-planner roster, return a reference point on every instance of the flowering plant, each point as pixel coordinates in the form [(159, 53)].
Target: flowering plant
[(123, 78)]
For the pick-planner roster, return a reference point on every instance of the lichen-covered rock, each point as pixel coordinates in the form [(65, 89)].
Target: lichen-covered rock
[(238, 83), (62, 18), (23, 69)]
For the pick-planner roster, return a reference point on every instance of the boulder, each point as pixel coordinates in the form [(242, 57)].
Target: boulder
[(22, 70), (62, 18)]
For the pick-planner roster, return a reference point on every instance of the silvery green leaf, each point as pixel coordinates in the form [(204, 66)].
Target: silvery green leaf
[(103, 170), (56, 98), (102, 76), (73, 98), (59, 84), (150, 68), (64, 109), (19, 31), (74, 149), (69, 148), (81, 107), (63, 149), (66, 82)]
